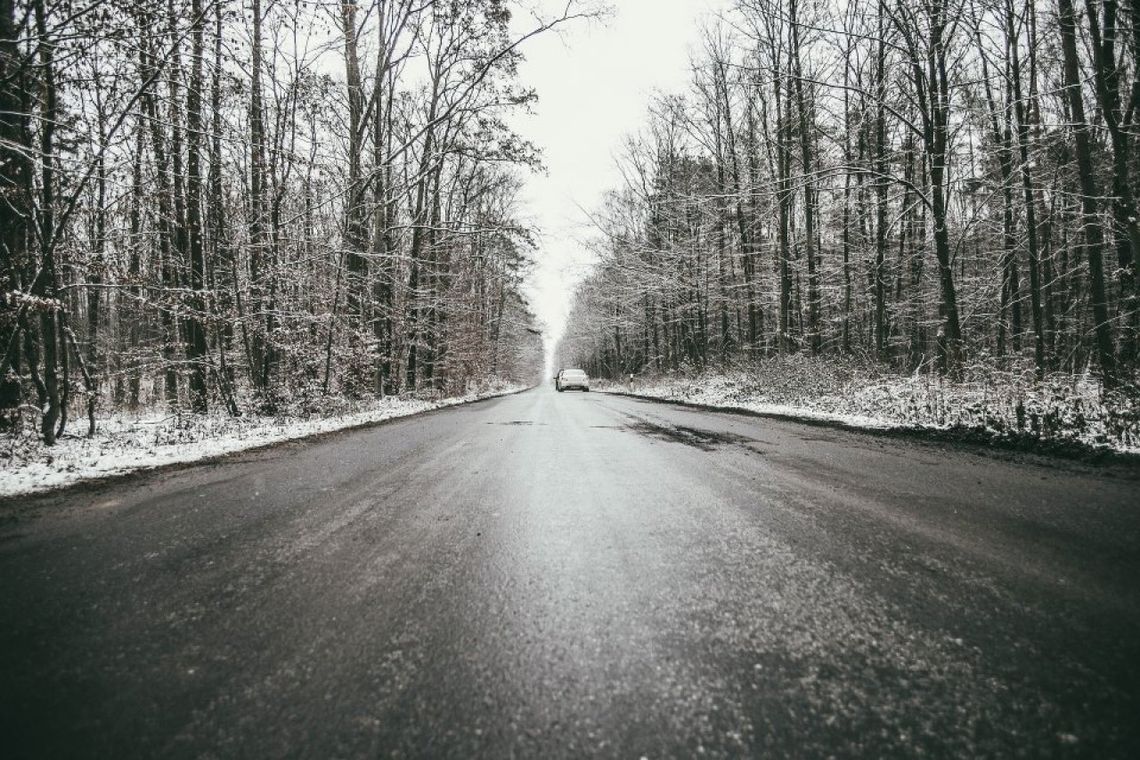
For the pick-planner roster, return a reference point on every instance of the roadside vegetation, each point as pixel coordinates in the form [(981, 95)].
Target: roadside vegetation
[(126, 442), (921, 213), (275, 209), (1063, 412)]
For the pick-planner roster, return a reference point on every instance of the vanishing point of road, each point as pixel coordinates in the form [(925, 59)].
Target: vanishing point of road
[(568, 575)]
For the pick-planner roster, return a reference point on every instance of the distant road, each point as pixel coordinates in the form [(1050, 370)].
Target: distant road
[(567, 575)]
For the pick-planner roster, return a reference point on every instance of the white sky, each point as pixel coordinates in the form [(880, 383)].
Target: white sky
[(594, 84)]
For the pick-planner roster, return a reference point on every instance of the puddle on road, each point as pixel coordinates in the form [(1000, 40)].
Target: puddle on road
[(705, 440)]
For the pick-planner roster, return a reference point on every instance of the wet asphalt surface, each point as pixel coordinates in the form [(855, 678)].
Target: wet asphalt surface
[(566, 575)]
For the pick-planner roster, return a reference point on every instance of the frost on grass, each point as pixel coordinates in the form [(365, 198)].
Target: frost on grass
[(1062, 408), (124, 443)]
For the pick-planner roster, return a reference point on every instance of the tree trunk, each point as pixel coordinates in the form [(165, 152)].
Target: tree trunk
[(806, 126), (880, 162), (15, 208), (1030, 201), (1094, 235), (196, 350), (46, 286)]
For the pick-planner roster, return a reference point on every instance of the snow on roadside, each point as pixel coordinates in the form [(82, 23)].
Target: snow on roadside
[(125, 443), (1066, 409), (721, 392)]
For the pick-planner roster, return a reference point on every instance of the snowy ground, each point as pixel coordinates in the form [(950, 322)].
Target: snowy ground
[(127, 443), (1059, 410)]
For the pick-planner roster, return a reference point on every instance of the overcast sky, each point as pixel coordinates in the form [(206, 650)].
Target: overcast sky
[(594, 84)]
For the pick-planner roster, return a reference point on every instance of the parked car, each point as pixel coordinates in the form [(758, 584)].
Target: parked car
[(572, 378)]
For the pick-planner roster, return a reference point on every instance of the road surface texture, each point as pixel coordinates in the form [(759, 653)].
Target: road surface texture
[(567, 575)]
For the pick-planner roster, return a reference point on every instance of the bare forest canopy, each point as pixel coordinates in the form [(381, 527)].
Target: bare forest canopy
[(252, 204), (927, 184)]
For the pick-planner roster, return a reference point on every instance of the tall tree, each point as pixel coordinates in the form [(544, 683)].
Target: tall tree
[(1094, 234)]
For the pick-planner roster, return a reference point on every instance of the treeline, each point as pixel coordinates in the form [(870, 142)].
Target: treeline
[(934, 183), (252, 205)]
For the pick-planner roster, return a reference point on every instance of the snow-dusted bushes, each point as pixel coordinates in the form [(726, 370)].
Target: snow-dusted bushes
[(126, 442), (1061, 408)]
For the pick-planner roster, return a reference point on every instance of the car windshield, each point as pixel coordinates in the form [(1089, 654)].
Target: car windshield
[(576, 374)]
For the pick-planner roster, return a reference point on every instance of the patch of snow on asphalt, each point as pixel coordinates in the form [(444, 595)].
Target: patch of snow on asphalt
[(126, 443)]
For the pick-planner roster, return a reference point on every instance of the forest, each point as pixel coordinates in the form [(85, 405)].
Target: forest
[(255, 206), (944, 187)]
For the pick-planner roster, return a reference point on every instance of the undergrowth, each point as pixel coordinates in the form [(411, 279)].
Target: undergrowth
[(1003, 403)]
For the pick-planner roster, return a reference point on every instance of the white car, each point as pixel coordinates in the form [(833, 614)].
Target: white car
[(572, 378)]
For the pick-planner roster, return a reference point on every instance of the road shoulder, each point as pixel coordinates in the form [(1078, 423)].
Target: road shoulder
[(123, 452), (1020, 448)]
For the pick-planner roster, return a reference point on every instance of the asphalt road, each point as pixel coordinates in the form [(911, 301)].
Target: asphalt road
[(566, 575)]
